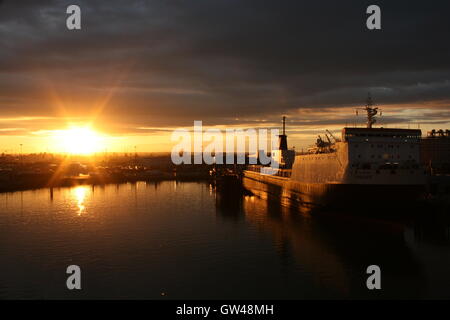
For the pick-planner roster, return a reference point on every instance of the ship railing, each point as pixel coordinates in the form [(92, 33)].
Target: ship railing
[(286, 173)]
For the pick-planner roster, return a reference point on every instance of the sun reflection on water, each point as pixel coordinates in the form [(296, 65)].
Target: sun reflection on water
[(80, 196)]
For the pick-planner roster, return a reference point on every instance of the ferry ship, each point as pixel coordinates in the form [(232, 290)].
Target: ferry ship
[(367, 167)]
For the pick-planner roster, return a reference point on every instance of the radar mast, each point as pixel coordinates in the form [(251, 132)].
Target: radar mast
[(371, 111)]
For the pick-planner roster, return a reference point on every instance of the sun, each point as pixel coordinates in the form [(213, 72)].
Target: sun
[(79, 140)]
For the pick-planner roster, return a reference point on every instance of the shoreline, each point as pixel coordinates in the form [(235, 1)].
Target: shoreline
[(74, 182)]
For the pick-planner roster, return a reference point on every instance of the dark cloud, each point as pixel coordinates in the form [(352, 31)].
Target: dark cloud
[(168, 62)]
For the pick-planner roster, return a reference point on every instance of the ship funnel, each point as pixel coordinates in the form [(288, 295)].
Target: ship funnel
[(282, 138)]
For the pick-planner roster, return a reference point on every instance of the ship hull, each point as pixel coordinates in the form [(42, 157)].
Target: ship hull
[(364, 198)]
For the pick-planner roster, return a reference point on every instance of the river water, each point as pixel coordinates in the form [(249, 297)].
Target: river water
[(185, 240)]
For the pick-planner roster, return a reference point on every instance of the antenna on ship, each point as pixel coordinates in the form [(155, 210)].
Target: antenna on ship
[(371, 111)]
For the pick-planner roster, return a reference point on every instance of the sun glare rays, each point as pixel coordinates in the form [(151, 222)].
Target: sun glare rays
[(78, 140)]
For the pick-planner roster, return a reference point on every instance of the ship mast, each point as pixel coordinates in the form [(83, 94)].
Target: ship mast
[(371, 111)]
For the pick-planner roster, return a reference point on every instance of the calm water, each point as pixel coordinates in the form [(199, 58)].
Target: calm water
[(184, 240)]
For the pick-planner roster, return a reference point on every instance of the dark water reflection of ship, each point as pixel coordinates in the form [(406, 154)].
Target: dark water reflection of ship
[(335, 251), (228, 194)]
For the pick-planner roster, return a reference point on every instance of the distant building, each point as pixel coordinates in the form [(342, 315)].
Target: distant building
[(435, 150)]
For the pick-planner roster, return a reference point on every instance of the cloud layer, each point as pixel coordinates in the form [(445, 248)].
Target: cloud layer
[(166, 63)]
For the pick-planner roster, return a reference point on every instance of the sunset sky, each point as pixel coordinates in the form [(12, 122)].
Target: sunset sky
[(139, 69)]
